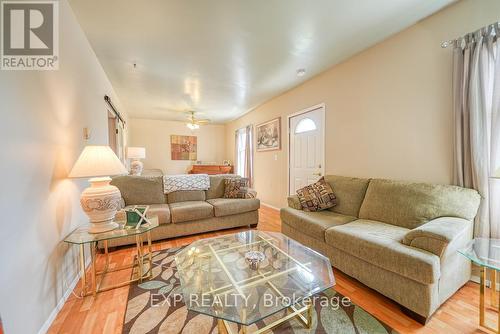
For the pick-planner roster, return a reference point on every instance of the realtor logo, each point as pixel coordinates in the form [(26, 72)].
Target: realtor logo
[(29, 35)]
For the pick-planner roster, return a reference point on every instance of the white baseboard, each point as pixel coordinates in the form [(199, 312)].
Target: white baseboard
[(477, 279), (270, 206), (46, 325)]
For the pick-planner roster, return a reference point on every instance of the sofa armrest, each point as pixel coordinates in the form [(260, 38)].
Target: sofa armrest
[(294, 203), (435, 235)]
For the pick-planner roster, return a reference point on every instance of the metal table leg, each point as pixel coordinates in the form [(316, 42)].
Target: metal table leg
[(482, 306), (93, 246), (150, 248), (140, 268), (83, 270)]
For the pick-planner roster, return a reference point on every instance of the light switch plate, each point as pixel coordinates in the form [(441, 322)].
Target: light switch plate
[(86, 133)]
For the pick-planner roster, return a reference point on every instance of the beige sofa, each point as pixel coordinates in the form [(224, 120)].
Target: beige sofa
[(398, 238), (185, 212)]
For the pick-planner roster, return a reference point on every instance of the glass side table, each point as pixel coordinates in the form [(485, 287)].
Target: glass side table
[(141, 265), (485, 253)]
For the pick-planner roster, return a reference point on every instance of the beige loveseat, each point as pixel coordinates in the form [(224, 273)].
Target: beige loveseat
[(185, 212), (398, 238)]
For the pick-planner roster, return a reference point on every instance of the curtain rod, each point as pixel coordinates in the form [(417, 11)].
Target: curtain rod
[(108, 100), (494, 29)]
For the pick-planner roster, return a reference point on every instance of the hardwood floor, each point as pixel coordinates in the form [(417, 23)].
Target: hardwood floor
[(105, 313)]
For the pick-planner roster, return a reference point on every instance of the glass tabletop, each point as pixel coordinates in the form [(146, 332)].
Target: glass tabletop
[(82, 236), (222, 277), (483, 252)]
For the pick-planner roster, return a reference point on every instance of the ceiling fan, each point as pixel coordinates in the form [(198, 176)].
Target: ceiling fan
[(193, 122)]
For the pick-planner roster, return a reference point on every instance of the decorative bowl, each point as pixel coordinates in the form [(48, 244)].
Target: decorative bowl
[(254, 258)]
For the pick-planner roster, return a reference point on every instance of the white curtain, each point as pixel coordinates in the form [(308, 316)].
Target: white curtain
[(476, 94), (244, 153), (249, 155)]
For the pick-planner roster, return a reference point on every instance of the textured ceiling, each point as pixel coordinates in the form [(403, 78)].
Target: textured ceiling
[(225, 57)]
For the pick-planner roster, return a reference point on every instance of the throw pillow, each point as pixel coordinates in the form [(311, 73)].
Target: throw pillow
[(140, 190), (236, 187), (317, 196)]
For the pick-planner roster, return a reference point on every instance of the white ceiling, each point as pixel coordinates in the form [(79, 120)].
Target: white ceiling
[(225, 57)]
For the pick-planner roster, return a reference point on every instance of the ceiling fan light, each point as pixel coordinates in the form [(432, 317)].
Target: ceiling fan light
[(192, 126)]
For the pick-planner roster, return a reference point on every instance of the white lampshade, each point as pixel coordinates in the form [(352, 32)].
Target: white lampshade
[(136, 152), (96, 161)]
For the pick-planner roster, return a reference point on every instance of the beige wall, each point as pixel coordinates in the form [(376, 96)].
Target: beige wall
[(388, 109), (43, 115), (154, 135)]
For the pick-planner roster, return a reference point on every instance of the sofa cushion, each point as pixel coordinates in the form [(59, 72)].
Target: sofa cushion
[(410, 205), (160, 210), (185, 195), (140, 190), (190, 210), (232, 206), (380, 244), (217, 185), (313, 224), (349, 192)]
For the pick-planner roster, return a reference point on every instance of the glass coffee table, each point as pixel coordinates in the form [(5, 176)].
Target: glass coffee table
[(485, 253), (246, 277), (141, 265)]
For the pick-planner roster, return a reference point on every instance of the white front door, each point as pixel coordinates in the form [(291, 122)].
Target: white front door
[(307, 153)]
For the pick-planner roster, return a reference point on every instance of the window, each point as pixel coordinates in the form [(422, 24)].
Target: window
[(241, 140), (305, 125)]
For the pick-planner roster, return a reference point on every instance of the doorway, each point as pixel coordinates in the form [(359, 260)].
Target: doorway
[(306, 158), (116, 136), (112, 132)]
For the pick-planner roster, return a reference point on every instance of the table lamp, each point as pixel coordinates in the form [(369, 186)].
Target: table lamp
[(101, 200), (136, 165)]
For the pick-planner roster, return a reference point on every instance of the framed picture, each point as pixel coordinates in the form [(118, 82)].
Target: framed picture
[(268, 135), (183, 147)]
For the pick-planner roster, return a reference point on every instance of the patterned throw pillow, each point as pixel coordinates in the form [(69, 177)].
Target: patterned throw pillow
[(236, 187), (317, 196)]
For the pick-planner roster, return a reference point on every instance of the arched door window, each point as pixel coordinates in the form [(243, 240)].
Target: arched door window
[(305, 125)]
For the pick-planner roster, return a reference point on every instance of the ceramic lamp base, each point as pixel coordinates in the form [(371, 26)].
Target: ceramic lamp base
[(136, 167), (102, 227), (100, 202)]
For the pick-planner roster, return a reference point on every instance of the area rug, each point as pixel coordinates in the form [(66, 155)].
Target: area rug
[(147, 313)]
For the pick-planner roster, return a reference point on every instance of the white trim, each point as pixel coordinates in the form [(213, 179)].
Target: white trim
[(288, 118), (303, 111), (270, 206), (477, 279), (53, 315)]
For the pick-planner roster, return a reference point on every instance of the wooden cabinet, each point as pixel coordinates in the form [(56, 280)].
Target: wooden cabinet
[(211, 169)]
